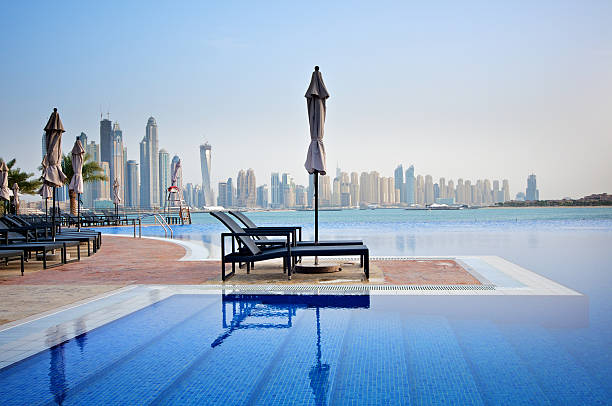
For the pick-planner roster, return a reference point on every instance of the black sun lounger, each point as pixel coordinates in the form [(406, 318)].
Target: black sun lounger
[(43, 248), (6, 255), (248, 251)]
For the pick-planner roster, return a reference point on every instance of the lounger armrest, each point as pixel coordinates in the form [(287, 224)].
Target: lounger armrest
[(267, 233)]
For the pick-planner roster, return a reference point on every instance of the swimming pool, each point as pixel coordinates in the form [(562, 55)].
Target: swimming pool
[(263, 348)]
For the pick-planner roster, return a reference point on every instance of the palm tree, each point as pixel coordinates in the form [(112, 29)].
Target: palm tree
[(92, 172), (23, 179)]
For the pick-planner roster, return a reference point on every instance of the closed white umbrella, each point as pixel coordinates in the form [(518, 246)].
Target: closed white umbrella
[(46, 192), (52, 162), (176, 173), (76, 183), (116, 198), (316, 95), (4, 189), (16, 197)]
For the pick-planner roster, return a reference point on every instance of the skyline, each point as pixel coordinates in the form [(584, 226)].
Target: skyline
[(460, 89)]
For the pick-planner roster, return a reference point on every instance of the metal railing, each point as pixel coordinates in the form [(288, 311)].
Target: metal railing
[(157, 218)]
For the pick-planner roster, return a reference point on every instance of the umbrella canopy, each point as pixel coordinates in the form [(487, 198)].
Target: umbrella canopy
[(46, 192), (4, 189), (116, 198), (76, 183), (315, 100), (176, 173), (15, 193), (52, 169)]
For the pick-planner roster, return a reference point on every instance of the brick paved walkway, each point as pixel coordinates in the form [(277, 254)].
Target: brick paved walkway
[(123, 261)]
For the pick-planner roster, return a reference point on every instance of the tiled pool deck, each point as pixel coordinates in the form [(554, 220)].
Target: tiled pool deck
[(44, 308)]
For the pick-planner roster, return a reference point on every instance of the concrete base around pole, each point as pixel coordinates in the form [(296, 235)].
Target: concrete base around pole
[(319, 268)]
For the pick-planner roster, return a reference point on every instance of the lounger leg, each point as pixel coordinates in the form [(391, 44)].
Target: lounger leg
[(44, 259), (360, 261), (233, 267), (284, 265), (289, 261), (22, 255), (366, 265), (79, 251), (248, 267), (88, 249), (223, 269)]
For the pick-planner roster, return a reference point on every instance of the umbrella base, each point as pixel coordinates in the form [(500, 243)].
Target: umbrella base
[(320, 268)]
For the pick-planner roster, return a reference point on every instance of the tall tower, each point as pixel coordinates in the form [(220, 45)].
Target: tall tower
[(241, 189), (164, 174), (149, 166), (532, 193), (399, 182), (117, 158), (151, 134), (410, 185), (131, 191), (251, 187), (205, 166), (275, 188), (106, 140)]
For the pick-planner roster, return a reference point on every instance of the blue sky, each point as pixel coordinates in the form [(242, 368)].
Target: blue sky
[(459, 89)]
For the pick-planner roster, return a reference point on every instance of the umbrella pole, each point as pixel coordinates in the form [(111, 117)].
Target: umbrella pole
[(53, 216), (316, 211), (78, 211)]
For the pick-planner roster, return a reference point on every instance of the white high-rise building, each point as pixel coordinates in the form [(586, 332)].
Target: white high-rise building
[(117, 159), (205, 165), (164, 175), (149, 166)]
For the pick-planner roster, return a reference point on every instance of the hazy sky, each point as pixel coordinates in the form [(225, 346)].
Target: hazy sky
[(464, 89)]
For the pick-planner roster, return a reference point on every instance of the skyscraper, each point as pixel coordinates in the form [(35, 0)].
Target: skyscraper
[(262, 196), (205, 165), (399, 182), (410, 185), (231, 193), (532, 193), (132, 185), (164, 174), (251, 199), (222, 194), (275, 189), (241, 189), (506, 190), (92, 189), (429, 191), (106, 140), (285, 186), (149, 166), (117, 160)]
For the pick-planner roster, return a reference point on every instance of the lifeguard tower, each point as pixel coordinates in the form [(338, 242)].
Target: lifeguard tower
[(177, 212)]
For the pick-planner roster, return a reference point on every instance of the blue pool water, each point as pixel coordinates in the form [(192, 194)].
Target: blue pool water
[(291, 349), (211, 349)]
